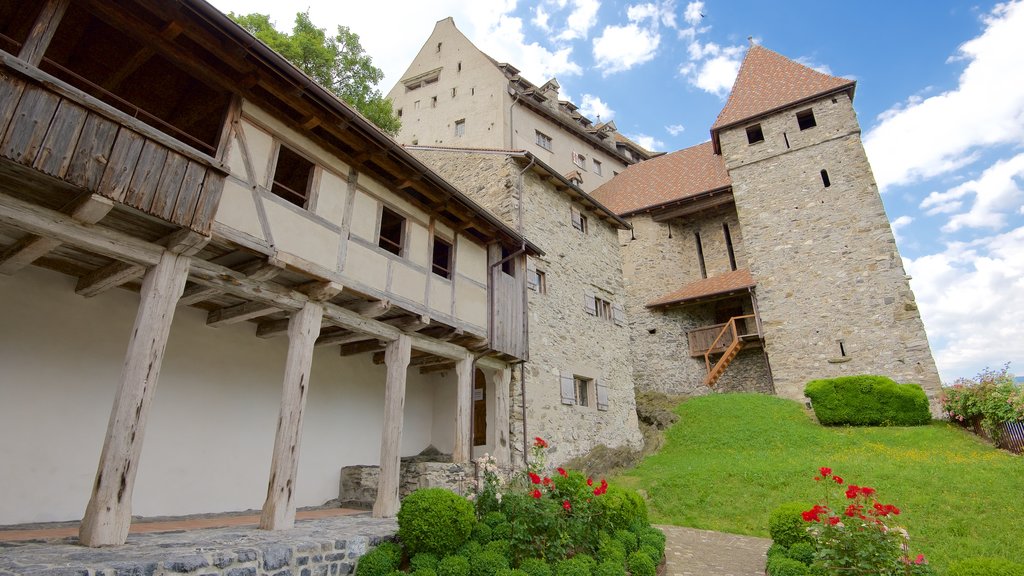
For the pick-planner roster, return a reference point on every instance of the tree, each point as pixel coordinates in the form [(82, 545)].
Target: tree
[(338, 63)]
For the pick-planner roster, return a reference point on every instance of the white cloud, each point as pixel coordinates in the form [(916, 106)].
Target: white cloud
[(898, 224), (675, 129), (717, 75), (621, 47), (582, 18), (540, 18), (593, 107), (504, 41), (711, 66), (969, 296), (823, 68), (694, 13), (649, 142), (997, 193), (927, 137)]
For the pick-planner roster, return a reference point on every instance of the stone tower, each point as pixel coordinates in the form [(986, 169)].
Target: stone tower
[(833, 295)]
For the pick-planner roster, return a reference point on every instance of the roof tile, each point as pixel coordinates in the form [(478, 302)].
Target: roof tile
[(721, 284)]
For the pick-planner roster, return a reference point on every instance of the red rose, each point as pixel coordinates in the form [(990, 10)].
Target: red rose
[(919, 559), (590, 481), (838, 479), (562, 473), (851, 491), (867, 491), (833, 520), (597, 492), (547, 480), (539, 442), (534, 478), (566, 505), (535, 493), (825, 471)]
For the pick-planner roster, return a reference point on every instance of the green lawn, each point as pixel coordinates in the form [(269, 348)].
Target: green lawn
[(733, 457)]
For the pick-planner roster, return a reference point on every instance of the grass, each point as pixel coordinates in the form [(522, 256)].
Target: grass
[(732, 458)]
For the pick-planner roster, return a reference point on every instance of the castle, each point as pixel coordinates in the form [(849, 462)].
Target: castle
[(180, 206)]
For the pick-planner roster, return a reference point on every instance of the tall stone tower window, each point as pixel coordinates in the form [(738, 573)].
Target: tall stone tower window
[(805, 119), (700, 255), (728, 246), (824, 178), (754, 134)]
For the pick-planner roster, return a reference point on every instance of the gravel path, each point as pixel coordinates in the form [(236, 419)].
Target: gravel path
[(691, 552)]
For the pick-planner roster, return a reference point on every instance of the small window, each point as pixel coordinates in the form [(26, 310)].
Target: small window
[(399, 112), (579, 220), (433, 101), (604, 308), (460, 128), (805, 119), (442, 265), (728, 246), (507, 264), (581, 387), (543, 140), (824, 178), (579, 160), (537, 281), (453, 92), (438, 46), (700, 255), (292, 175), (597, 167), (458, 67), (392, 231), (754, 134), (416, 105)]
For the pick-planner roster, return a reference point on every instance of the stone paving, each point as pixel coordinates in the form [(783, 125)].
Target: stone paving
[(692, 552)]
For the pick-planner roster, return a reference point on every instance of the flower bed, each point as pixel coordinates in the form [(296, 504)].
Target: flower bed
[(990, 404)]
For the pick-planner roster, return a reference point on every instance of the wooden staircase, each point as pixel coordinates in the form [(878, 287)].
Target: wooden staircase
[(735, 345)]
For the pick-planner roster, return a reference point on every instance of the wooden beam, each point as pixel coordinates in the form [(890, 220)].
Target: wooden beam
[(42, 31), (107, 277), (396, 356), (443, 367), (88, 209), (342, 337), (362, 346), (418, 358), (109, 513), (463, 410), (321, 291), (694, 206), (279, 508), (371, 309), (502, 442), (239, 313), (411, 323), (258, 270)]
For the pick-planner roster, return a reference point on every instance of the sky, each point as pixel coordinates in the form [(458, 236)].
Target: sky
[(940, 98)]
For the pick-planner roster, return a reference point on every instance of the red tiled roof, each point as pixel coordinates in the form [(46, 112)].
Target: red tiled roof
[(721, 284), (676, 176), (768, 81)]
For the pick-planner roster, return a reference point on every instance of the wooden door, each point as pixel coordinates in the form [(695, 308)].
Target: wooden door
[(479, 409)]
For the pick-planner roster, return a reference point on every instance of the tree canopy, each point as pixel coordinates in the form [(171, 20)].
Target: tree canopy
[(338, 63)]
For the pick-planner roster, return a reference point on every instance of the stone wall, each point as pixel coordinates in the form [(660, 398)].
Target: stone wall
[(563, 337), (358, 485), (824, 258)]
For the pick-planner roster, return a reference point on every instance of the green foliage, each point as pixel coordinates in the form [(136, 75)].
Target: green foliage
[(802, 552), (622, 508), (470, 549), (777, 549), (587, 559), (503, 547), (510, 572), (654, 538), (572, 567), (535, 567), (628, 540), (985, 567), (993, 397), (641, 565), (786, 525), (651, 553), (610, 568), (424, 572), (502, 531), (338, 63), (487, 563), (783, 566), (867, 401), (380, 561), (481, 533), (453, 566), (611, 550), (493, 519), (434, 520), (423, 560)]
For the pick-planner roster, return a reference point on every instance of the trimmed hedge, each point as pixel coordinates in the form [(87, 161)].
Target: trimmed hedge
[(985, 567), (434, 520), (786, 525), (782, 566), (867, 401)]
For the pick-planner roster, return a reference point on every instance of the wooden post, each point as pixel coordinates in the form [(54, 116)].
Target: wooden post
[(502, 442), (463, 410), (42, 31), (303, 329), (109, 513), (396, 356)]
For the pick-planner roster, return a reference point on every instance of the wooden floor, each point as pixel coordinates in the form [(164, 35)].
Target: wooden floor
[(171, 524)]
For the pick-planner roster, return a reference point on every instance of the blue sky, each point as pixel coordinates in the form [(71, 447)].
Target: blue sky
[(940, 97)]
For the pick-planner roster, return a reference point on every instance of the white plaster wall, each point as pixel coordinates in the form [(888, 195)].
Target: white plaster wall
[(211, 430)]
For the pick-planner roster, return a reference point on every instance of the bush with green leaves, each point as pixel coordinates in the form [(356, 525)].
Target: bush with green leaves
[(985, 567), (783, 566), (571, 567), (470, 548), (481, 533), (510, 572), (787, 526), (434, 520), (380, 561), (453, 566), (487, 563), (991, 398), (610, 568), (641, 565), (776, 549), (423, 560), (628, 540), (535, 567), (424, 572), (494, 518), (802, 552), (651, 553), (622, 509), (654, 538), (867, 400), (611, 550), (503, 547)]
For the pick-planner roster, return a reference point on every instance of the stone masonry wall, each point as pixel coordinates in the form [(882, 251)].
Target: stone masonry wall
[(562, 335), (358, 485), (824, 258), (653, 265)]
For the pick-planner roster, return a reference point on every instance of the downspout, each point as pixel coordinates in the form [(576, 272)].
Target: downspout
[(511, 118)]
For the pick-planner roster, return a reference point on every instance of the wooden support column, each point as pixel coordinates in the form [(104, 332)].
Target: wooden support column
[(279, 508), (396, 356), (464, 410), (109, 513), (502, 442), (42, 31)]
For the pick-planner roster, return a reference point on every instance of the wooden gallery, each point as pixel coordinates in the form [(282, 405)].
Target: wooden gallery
[(180, 206)]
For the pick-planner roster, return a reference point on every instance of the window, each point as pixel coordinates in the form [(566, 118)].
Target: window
[(460, 128), (399, 112), (543, 140), (292, 175), (507, 264), (453, 92), (433, 101), (597, 306), (579, 220), (458, 67), (581, 390), (805, 119), (442, 262), (824, 178), (579, 160), (728, 246), (700, 255), (537, 281), (416, 105), (597, 167), (754, 134), (438, 46), (392, 231)]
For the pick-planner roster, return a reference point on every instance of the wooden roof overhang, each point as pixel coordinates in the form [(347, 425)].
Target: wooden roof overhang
[(688, 206), (721, 287)]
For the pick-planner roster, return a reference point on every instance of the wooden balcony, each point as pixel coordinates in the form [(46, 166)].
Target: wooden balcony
[(51, 129), (703, 340)]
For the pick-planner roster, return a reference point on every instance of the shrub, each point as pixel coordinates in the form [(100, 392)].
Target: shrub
[(422, 561), (654, 538), (641, 565), (991, 397), (503, 547), (453, 566), (610, 568), (651, 553), (787, 526), (380, 561), (782, 566), (985, 567), (510, 572), (801, 552), (470, 549), (535, 567), (572, 567), (487, 563), (492, 519), (611, 550), (588, 560), (867, 401), (622, 509), (501, 531), (424, 572), (481, 533), (628, 540), (776, 549), (434, 520)]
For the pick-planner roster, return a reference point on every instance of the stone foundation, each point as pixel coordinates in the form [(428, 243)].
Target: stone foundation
[(358, 487)]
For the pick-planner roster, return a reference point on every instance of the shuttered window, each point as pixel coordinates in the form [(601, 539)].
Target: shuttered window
[(618, 315), (590, 304), (602, 395), (568, 388)]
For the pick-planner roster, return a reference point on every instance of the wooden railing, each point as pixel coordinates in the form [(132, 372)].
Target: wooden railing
[(701, 340)]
